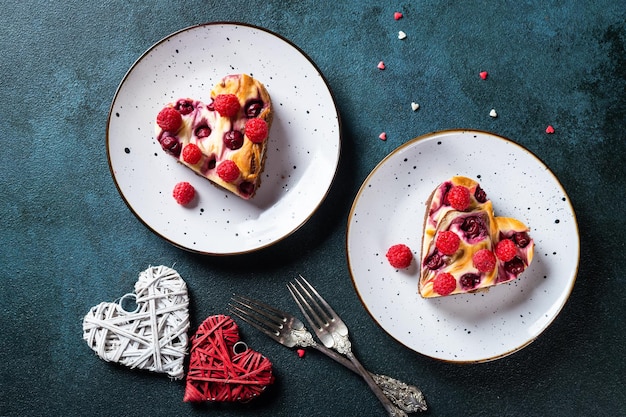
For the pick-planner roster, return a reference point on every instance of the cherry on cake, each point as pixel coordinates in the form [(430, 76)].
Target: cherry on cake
[(465, 247), (225, 140)]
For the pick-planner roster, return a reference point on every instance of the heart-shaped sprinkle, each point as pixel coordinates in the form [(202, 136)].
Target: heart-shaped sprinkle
[(414, 106), (153, 334), (301, 353), (382, 136), (219, 370), (549, 130), (493, 113), (381, 65), (484, 75), (401, 35), (397, 15)]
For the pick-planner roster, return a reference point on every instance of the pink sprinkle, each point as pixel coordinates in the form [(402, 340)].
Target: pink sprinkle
[(300, 352), (483, 75), (382, 136), (381, 65), (549, 130), (397, 15)]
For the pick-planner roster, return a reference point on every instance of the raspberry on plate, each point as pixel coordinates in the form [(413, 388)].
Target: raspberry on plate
[(191, 153), (444, 283), (256, 130), (459, 197), (506, 250), (399, 256), (447, 242), (169, 119), (227, 105), (228, 171), (484, 260), (183, 193)]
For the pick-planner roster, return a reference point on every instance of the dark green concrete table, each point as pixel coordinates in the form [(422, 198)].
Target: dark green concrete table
[(69, 241)]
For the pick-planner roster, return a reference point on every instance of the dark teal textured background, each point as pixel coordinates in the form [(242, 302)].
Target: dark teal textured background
[(69, 242)]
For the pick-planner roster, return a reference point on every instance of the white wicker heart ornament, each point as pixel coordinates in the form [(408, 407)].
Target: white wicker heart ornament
[(154, 335)]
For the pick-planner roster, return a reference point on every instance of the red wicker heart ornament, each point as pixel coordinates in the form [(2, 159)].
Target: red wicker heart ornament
[(217, 371)]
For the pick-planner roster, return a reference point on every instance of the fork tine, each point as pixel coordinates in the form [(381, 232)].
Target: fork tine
[(318, 298), (242, 315), (268, 322), (261, 308), (309, 313)]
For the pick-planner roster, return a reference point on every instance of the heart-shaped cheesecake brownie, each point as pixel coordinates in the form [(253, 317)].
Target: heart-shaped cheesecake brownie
[(153, 335), (224, 141), (219, 370), (464, 246)]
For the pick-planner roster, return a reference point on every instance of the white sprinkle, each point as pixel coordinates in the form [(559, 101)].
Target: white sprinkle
[(493, 113), (415, 106), (401, 35)]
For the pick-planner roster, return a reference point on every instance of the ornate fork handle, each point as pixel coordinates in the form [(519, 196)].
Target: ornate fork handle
[(343, 346), (407, 398)]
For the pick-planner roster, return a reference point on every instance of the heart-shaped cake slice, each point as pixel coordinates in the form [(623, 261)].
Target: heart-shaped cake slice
[(224, 141), (464, 246), (221, 368), (150, 333)]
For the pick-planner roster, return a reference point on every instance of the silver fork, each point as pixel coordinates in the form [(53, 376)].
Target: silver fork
[(291, 332), (333, 333)]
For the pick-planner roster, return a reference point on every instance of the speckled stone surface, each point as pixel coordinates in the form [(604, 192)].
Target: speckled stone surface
[(70, 242)]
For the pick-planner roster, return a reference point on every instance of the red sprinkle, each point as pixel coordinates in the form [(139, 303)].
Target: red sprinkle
[(300, 352), (397, 15), (444, 283), (459, 197), (192, 154), (484, 75), (484, 260), (227, 105), (447, 242), (399, 256), (382, 136), (549, 130), (169, 119), (381, 65), (256, 130), (183, 193), (228, 171), (506, 250)]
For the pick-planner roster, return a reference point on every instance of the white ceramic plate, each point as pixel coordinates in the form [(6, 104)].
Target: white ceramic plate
[(389, 209), (302, 156)]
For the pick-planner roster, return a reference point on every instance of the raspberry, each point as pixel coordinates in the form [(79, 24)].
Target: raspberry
[(228, 171), (506, 250), (444, 283), (227, 105), (459, 197), (399, 256), (183, 193), (484, 260), (447, 242), (169, 119), (256, 130), (192, 154)]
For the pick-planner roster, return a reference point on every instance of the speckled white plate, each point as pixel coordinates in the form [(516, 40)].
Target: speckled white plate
[(389, 209), (302, 156)]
